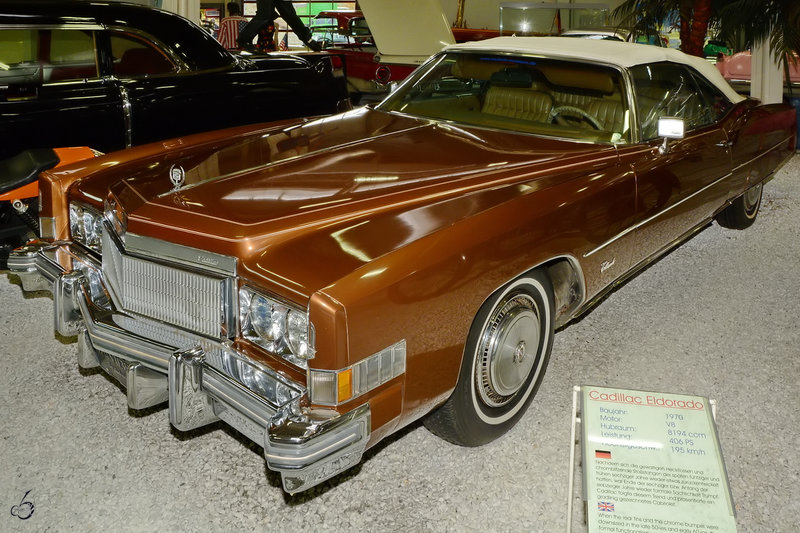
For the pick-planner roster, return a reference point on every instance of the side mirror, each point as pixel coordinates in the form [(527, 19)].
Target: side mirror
[(669, 128)]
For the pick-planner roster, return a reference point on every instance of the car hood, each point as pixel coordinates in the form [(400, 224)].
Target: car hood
[(342, 190), (393, 23)]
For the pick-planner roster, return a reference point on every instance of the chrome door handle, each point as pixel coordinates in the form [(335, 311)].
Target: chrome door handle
[(724, 144)]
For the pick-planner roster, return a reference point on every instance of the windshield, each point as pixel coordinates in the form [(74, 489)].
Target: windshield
[(556, 98)]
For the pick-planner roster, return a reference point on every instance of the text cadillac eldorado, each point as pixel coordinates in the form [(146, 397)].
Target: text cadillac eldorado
[(320, 284)]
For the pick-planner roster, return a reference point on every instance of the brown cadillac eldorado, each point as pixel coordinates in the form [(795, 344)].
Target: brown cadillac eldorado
[(320, 284)]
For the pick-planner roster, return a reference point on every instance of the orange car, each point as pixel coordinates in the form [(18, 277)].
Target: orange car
[(19, 192)]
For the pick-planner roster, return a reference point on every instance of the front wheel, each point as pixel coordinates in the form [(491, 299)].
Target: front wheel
[(505, 357), (742, 212)]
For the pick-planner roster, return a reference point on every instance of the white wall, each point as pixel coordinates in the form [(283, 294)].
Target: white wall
[(483, 14), (186, 8), (479, 14)]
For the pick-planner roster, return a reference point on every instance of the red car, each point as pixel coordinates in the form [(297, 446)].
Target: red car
[(395, 42), (388, 49), (347, 33)]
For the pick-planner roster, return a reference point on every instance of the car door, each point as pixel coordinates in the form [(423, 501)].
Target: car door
[(52, 93), (679, 188)]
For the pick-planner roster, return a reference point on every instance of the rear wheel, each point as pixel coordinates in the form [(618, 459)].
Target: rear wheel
[(743, 211), (504, 361)]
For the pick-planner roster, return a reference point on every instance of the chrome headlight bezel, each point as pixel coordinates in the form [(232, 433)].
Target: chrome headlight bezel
[(86, 226), (279, 327), (115, 215)]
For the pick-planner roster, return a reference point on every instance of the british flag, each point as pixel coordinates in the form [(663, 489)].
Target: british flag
[(607, 507)]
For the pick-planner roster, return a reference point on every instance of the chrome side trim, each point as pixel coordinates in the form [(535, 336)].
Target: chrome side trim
[(644, 222), (127, 115), (69, 26), (778, 146), (641, 265)]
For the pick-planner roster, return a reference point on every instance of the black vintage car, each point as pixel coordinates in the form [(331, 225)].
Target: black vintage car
[(110, 75)]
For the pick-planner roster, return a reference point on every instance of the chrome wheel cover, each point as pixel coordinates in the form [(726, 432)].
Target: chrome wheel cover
[(508, 351)]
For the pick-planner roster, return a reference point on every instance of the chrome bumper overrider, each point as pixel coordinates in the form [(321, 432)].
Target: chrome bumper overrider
[(157, 363)]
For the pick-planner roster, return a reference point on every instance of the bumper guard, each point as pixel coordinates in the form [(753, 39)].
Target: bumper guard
[(157, 363)]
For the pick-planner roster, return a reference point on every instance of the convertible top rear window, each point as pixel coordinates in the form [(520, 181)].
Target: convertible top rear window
[(557, 98)]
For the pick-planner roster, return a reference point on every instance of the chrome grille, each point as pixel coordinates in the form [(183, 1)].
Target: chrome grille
[(191, 300)]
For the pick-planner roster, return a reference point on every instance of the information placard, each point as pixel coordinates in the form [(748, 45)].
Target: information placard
[(652, 463)]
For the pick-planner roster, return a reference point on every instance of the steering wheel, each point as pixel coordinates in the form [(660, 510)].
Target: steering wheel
[(572, 110), (649, 127)]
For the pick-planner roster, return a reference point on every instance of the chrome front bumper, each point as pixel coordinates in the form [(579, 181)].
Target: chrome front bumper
[(157, 363)]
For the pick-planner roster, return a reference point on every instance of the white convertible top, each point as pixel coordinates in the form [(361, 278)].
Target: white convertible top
[(609, 52)]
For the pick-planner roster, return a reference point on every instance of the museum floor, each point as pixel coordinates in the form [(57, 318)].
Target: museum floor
[(718, 317)]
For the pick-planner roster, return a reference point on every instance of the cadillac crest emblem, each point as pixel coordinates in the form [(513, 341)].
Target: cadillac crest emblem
[(177, 176)]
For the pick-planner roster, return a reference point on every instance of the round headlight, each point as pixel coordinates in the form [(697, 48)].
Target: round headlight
[(93, 227), (75, 222), (297, 329), (268, 320), (257, 380)]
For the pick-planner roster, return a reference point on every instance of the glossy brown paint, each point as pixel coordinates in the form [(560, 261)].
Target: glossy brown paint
[(392, 228), (666, 207)]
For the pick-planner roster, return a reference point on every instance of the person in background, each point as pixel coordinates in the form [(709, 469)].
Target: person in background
[(265, 14), (230, 26), (267, 37)]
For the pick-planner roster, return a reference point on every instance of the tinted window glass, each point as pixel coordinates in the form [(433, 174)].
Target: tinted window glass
[(47, 55), (716, 101), (18, 56), (72, 54), (134, 57), (668, 90)]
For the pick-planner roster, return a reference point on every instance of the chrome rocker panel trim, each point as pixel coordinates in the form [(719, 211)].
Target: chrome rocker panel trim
[(306, 446)]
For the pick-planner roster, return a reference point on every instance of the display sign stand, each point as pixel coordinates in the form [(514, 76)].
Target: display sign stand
[(651, 463)]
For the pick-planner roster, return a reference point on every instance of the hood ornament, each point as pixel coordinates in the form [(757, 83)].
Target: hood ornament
[(177, 176)]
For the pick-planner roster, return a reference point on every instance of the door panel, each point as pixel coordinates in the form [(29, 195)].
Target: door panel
[(678, 190), (54, 95), (684, 186), (754, 129), (169, 106)]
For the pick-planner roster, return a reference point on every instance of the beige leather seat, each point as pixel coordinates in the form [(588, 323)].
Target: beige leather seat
[(609, 113), (517, 102)]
